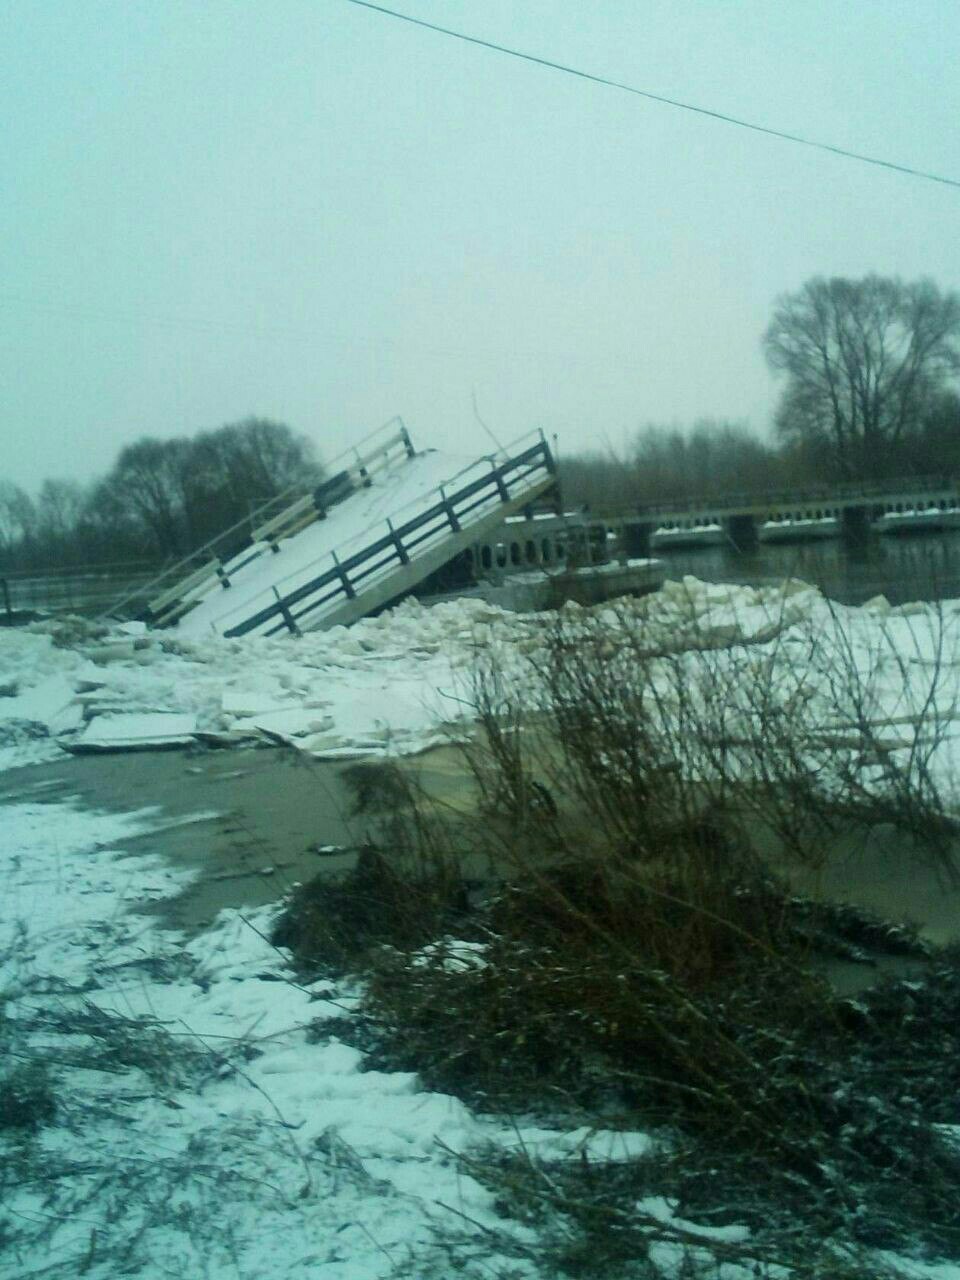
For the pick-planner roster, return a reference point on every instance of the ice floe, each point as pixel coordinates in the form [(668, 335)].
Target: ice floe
[(399, 682)]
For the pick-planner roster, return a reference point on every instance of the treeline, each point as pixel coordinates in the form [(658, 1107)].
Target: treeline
[(870, 369), (661, 463), (715, 457), (160, 500)]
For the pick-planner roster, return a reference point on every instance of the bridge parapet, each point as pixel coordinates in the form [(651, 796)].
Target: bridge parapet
[(743, 519), (868, 493)]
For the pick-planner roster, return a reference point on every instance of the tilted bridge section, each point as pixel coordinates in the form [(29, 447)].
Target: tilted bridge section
[(386, 519)]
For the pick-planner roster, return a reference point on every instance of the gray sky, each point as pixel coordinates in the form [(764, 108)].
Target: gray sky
[(304, 210)]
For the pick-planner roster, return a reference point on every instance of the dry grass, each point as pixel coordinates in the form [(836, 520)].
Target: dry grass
[(635, 963)]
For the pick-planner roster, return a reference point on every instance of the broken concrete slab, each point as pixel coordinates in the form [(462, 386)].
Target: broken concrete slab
[(135, 731)]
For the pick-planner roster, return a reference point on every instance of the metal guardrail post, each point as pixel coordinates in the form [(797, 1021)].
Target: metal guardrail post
[(342, 575), (6, 601), (448, 508), (548, 457), (286, 614), (398, 543), (498, 477), (362, 471)]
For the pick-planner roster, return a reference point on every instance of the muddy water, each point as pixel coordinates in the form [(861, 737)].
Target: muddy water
[(882, 871), (273, 811), (878, 869), (277, 815)]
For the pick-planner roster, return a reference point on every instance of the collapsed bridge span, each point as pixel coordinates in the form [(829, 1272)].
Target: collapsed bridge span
[(378, 527)]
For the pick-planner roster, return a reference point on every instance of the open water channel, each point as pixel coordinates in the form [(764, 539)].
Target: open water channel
[(902, 567)]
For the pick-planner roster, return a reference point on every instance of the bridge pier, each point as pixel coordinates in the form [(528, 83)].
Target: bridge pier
[(742, 531), (635, 537), (855, 523)]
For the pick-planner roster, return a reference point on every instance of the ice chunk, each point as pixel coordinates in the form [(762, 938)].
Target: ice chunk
[(288, 722), (136, 730), (42, 705), (877, 605), (253, 701)]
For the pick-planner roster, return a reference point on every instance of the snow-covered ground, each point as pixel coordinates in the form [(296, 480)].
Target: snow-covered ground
[(261, 1153), (217, 1140)]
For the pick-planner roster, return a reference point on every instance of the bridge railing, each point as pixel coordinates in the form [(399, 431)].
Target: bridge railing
[(83, 589), (231, 542), (798, 497), (346, 573)]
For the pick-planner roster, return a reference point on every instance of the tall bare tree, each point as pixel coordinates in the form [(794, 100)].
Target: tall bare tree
[(17, 518), (149, 481), (183, 492), (864, 361)]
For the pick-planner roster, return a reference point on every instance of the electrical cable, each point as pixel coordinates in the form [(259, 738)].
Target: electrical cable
[(655, 97)]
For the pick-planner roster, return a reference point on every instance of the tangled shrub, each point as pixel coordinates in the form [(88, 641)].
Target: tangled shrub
[(636, 961)]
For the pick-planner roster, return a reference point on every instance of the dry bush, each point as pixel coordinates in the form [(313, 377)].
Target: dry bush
[(638, 963), (646, 731), (403, 890)]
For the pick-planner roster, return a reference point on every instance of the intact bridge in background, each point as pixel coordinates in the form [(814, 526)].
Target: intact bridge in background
[(743, 520)]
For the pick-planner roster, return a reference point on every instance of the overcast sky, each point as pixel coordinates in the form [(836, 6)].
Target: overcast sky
[(304, 210)]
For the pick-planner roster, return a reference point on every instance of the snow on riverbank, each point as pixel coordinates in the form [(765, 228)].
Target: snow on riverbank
[(197, 1129), (175, 1116)]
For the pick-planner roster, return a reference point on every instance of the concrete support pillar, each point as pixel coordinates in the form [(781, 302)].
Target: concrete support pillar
[(855, 523), (742, 531), (636, 539)]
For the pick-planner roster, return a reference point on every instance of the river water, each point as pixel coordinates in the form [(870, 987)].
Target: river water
[(902, 567)]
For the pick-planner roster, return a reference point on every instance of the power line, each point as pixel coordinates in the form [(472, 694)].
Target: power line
[(655, 97)]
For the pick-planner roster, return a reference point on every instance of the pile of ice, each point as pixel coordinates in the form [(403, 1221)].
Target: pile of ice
[(396, 683)]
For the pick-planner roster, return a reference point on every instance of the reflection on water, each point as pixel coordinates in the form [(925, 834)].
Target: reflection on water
[(914, 566)]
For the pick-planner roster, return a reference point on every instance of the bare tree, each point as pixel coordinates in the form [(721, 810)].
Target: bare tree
[(17, 518), (149, 481), (241, 465), (183, 492), (864, 360), (59, 510)]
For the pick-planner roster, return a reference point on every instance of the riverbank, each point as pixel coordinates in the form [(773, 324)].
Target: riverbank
[(238, 1112)]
